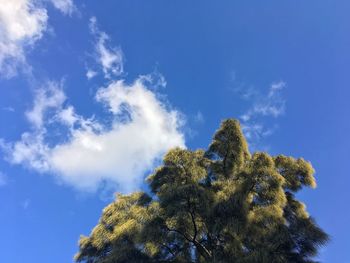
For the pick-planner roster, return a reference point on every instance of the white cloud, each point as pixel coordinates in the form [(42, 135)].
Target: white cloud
[(142, 130), (256, 131), (67, 7), (91, 73), (263, 106), (22, 23), (68, 116), (271, 105), (52, 96), (30, 150), (109, 58), (275, 88)]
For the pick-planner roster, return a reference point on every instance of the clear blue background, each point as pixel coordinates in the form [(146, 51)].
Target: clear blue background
[(196, 45)]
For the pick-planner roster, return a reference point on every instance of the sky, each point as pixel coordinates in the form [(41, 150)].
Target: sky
[(93, 93)]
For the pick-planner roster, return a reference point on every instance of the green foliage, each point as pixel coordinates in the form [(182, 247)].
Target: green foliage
[(222, 205)]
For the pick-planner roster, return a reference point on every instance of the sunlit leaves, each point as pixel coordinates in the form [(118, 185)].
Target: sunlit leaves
[(222, 205)]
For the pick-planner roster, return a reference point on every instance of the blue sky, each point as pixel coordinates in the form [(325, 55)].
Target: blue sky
[(94, 92)]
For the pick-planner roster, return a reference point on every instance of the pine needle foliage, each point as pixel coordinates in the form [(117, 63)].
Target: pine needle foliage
[(220, 205)]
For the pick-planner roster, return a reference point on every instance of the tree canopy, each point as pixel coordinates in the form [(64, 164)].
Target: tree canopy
[(220, 205)]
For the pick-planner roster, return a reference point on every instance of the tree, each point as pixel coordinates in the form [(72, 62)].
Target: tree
[(219, 205)]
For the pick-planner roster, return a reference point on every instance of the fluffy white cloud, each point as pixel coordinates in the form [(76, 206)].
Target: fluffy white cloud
[(67, 7), (22, 23), (142, 130), (109, 58)]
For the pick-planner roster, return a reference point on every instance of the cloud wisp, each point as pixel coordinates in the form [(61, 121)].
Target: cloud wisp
[(3, 179), (67, 7), (25, 204), (110, 59), (270, 105), (142, 129)]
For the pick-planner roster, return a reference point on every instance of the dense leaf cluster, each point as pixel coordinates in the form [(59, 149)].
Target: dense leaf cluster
[(219, 205)]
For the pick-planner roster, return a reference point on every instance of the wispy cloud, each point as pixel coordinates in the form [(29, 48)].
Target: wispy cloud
[(8, 109), (109, 58), (199, 117), (264, 107), (143, 128), (271, 104), (3, 179), (67, 7), (25, 204), (90, 74), (50, 96)]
